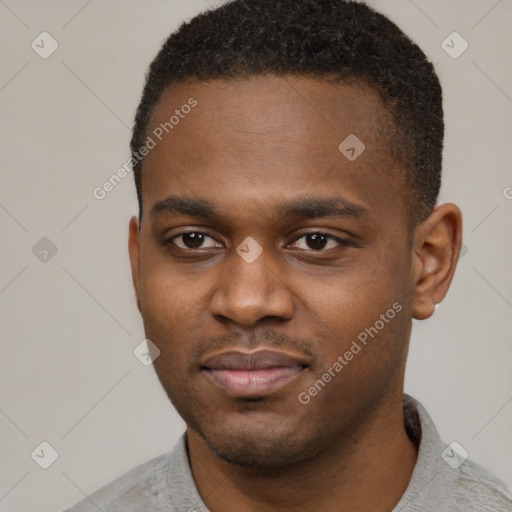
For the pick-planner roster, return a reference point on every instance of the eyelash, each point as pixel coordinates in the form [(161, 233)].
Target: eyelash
[(341, 241)]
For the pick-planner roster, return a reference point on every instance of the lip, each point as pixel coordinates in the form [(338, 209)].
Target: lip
[(253, 374)]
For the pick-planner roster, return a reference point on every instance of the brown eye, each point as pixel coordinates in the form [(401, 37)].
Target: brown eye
[(319, 241), (193, 240), (316, 241)]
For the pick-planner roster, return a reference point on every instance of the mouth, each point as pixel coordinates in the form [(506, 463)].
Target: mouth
[(253, 375)]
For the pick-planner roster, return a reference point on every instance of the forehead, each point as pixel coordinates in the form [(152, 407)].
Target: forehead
[(266, 134), (265, 104)]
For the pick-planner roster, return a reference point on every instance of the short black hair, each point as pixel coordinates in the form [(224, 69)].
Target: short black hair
[(315, 38)]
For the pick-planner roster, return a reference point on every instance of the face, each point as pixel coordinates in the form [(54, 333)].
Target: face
[(267, 259)]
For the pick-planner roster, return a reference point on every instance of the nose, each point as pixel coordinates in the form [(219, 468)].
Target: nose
[(249, 292)]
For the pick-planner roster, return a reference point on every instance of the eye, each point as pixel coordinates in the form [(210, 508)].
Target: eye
[(193, 240), (319, 241)]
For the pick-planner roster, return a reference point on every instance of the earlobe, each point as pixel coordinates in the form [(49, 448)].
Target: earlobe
[(133, 251), (435, 252)]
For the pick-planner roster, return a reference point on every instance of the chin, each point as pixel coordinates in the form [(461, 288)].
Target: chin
[(257, 454), (265, 448)]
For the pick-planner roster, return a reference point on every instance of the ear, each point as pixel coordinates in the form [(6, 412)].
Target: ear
[(435, 252), (133, 250)]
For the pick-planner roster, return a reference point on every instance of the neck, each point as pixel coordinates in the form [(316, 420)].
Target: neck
[(368, 469)]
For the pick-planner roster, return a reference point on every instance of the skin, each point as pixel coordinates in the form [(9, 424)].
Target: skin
[(249, 147)]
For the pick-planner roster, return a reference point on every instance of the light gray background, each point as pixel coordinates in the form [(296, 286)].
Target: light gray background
[(69, 326)]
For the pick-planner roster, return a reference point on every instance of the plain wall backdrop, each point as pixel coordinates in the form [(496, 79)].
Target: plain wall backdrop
[(69, 323)]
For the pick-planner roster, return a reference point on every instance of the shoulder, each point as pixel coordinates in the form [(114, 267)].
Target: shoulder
[(478, 489), (444, 478), (145, 487)]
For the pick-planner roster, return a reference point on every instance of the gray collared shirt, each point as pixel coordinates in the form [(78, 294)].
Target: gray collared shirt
[(443, 479)]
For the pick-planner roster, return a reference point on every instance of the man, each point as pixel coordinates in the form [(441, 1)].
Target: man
[(287, 158)]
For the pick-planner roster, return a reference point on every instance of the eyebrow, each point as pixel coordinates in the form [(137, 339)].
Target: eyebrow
[(191, 206), (320, 207), (304, 208)]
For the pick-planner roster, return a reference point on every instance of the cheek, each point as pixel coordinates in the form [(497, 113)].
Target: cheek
[(167, 306), (174, 311), (353, 293), (357, 304), (166, 313), (166, 293)]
